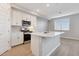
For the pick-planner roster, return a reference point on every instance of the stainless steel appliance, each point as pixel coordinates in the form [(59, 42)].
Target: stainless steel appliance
[(24, 29), (25, 25)]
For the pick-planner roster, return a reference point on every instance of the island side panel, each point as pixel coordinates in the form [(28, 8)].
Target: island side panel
[(36, 45), (49, 44)]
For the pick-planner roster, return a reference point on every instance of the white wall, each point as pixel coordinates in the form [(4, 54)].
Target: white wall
[(74, 28), (42, 24), (73, 33), (5, 27)]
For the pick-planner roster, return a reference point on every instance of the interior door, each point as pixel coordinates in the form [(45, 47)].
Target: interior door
[(4, 29), (4, 35)]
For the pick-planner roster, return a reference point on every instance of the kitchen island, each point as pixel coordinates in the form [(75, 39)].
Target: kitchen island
[(43, 44)]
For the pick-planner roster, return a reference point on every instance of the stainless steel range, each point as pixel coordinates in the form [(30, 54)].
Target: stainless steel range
[(24, 29)]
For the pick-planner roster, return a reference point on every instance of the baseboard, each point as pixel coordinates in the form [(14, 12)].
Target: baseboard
[(70, 38), (53, 50), (5, 51)]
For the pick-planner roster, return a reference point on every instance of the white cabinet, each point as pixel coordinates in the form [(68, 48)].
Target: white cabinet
[(25, 16), (17, 38), (16, 17), (33, 22)]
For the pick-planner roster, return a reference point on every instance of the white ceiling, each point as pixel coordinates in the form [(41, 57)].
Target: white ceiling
[(55, 9)]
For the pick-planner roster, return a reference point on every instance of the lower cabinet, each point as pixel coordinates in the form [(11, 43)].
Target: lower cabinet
[(17, 38)]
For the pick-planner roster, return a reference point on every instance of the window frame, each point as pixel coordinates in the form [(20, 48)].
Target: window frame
[(61, 26)]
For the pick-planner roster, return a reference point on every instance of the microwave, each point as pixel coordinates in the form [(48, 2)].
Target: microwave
[(26, 23)]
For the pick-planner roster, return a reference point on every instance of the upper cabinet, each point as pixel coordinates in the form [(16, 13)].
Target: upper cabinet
[(33, 22), (26, 17), (16, 17)]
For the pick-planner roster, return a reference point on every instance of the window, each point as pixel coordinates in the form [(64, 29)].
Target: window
[(62, 24)]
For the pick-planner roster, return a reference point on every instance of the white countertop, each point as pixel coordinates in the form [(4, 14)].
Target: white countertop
[(49, 34)]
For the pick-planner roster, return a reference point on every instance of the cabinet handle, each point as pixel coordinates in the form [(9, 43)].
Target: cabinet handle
[(8, 19), (18, 37)]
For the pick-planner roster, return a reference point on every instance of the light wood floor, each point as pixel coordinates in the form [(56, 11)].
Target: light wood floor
[(68, 47), (20, 50)]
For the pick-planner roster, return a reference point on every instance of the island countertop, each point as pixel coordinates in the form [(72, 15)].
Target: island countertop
[(48, 34)]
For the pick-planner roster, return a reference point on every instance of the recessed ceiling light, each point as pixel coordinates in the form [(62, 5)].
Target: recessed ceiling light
[(37, 10), (47, 5)]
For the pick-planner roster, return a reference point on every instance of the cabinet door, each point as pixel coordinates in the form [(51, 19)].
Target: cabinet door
[(14, 39), (25, 16), (17, 38), (20, 38), (33, 22), (28, 17), (16, 17)]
